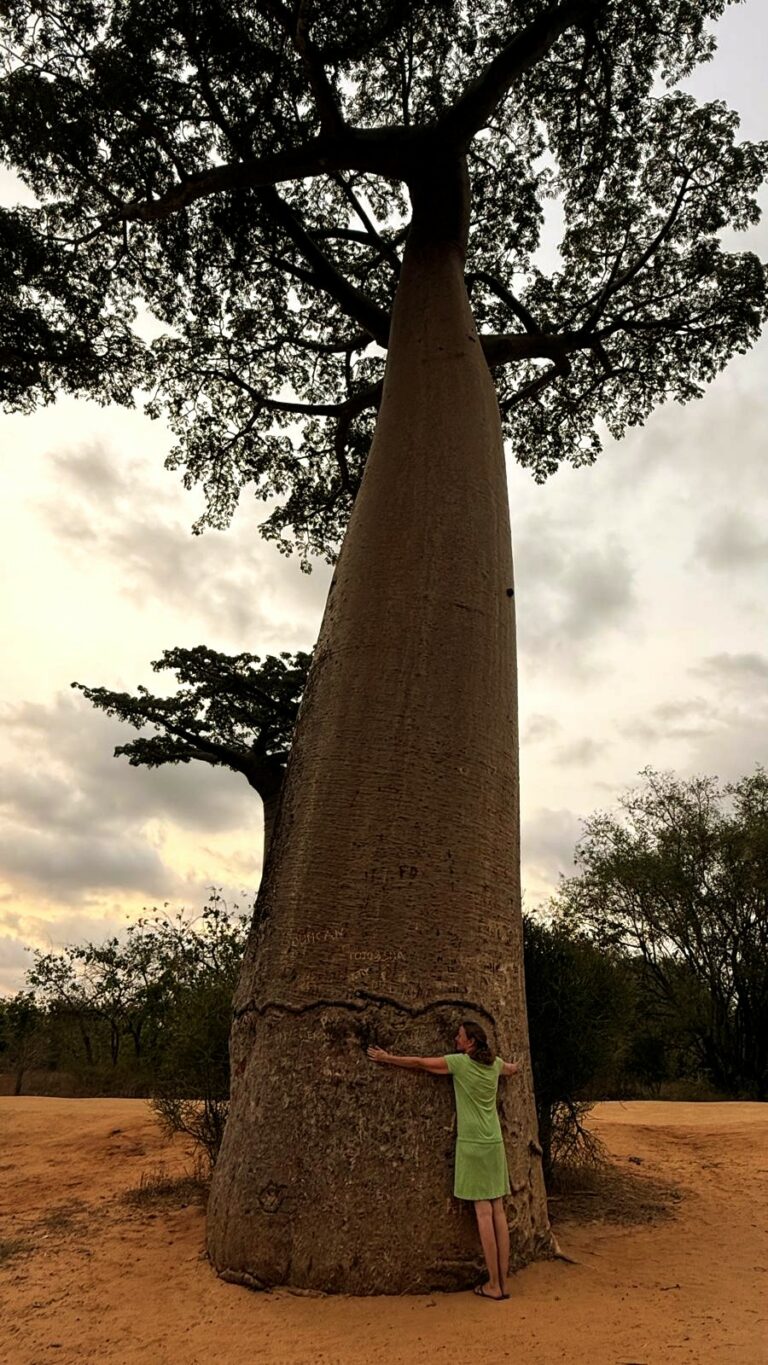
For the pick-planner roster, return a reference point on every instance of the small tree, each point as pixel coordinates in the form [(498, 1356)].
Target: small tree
[(58, 987), (23, 1041), (109, 992), (578, 1009), (679, 877), (235, 711), (190, 1091), (101, 987)]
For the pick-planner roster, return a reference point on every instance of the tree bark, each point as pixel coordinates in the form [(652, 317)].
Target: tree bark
[(390, 903), (266, 778), (270, 804)]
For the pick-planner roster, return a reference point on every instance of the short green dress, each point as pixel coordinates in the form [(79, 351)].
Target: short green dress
[(481, 1162)]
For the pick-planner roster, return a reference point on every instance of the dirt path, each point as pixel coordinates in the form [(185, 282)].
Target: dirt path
[(87, 1279)]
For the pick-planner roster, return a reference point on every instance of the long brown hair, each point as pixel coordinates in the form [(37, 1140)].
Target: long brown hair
[(482, 1051)]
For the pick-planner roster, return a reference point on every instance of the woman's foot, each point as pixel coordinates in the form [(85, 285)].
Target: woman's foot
[(486, 1291)]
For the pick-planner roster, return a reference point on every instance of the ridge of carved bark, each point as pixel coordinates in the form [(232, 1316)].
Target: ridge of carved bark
[(366, 998)]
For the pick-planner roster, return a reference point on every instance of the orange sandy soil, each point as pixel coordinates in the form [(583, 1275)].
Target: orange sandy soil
[(87, 1277)]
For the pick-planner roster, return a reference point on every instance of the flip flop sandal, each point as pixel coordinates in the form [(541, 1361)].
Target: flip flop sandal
[(479, 1290)]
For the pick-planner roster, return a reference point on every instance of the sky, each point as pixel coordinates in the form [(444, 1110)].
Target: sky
[(641, 591)]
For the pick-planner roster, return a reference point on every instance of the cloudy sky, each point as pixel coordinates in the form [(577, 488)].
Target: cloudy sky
[(642, 592)]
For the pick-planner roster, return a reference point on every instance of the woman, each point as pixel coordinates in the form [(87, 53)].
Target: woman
[(481, 1164)]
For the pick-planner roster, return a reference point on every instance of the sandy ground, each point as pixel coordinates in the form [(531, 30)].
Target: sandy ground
[(87, 1277)]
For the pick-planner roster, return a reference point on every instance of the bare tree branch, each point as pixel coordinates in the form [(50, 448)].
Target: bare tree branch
[(387, 250), (505, 349), (343, 347), (347, 408), (357, 402), (376, 151)]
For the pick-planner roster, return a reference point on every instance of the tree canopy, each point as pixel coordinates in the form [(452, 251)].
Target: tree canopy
[(235, 711), (244, 172)]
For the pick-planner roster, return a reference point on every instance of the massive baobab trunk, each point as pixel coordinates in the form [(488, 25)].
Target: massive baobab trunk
[(390, 903)]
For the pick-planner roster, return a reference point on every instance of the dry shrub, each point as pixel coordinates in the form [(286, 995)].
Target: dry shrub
[(160, 1186)]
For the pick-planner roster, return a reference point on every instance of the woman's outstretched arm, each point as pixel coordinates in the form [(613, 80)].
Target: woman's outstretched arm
[(437, 1065), (510, 1068)]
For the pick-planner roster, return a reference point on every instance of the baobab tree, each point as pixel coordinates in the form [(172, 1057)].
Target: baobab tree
[(335, 211), (233, 711)]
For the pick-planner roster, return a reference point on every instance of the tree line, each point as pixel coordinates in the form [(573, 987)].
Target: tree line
[(646, 976)]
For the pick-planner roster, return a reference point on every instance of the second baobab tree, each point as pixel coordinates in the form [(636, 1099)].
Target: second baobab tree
[(233, 711), (299, 193)]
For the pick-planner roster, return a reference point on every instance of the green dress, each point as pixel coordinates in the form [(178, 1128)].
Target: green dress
[(481, 1161)]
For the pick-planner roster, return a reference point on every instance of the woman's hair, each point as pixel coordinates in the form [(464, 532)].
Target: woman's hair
[(482, 1051)]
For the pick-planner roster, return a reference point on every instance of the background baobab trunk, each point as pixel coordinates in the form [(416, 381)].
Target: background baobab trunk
[(270, 811), (390, 902), (268, 782)]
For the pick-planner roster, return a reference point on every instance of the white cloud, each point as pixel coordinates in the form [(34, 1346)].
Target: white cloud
[(549, 837)]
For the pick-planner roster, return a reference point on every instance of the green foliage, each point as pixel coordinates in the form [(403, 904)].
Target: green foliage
[(244, 172), (190, 1088), (679, 878), (110, 992), (231, 710), (579, 1008), (23, 1035), (19, 1017)]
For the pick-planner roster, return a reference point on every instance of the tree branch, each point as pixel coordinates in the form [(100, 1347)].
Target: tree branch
[(345, 235), (324, 273), (529, 322), (387, 251), (297, 30), (353, 343), (347, 408), (357, 402), (375, 151), (474, 107), (543, 381), (614, 283), (505, 349)]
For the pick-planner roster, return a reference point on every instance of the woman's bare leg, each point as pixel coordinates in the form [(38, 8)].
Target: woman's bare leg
[(485, 1225), (501, 1231)]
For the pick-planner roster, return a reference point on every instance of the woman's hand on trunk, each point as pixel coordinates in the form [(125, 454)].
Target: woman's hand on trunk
[(377, 1054)]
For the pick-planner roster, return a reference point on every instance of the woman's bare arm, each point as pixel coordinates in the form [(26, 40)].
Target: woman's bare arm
[(437, 1065), (510, 1068)]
